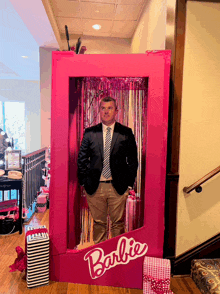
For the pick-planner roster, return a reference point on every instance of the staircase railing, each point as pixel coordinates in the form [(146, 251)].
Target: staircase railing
[(197, 185), (32, 174)]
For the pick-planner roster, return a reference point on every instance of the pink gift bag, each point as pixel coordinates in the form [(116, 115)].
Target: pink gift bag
[(42, 198), (41, 205), (156, 278), (44, 190)]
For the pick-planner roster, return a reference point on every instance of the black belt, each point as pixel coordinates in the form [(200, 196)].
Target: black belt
[(109, 181)]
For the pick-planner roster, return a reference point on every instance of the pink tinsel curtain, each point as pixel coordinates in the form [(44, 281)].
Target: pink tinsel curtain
[(131, 96)]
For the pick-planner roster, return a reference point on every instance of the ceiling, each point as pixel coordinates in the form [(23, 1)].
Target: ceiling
[(118, 18), (27, 25), (24, 27)]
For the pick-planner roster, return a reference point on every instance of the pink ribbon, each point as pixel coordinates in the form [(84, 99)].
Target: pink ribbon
[(20, 262), (159, 286), (132, 195)]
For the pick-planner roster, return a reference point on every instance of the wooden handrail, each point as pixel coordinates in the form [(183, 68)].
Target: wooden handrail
[(197, 185), (34, 153)]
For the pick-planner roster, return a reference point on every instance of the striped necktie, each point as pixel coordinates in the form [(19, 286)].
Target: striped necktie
[(106, 163)]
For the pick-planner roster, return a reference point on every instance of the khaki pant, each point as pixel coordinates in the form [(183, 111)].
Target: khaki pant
[(107, 201)]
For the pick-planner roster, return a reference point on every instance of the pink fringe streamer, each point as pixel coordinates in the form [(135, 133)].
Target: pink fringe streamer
[(130, 93)]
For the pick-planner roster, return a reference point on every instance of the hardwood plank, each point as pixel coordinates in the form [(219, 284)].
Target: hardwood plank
[(15, 282), (73, 289), (184, 284)]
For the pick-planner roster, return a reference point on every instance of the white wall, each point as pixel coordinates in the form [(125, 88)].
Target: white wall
[(96, 45), (198, 214), (45, 94), (151, 31), (102, 45)]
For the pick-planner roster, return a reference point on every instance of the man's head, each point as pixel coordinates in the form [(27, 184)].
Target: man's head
[(108, 110)]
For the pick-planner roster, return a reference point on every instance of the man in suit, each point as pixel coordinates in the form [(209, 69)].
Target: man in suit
[(107, 168)]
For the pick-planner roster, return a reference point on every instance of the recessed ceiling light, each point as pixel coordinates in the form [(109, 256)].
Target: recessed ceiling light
[(96, 27), (24, 56)]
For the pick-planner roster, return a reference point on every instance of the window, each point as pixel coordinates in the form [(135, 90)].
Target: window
[(12, 121)]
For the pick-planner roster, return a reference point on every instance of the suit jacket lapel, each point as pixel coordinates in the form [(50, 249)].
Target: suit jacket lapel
[(115, 136), (99, 137)]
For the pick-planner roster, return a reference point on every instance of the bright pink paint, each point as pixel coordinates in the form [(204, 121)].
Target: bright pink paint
[(127, 249), (69, 265)]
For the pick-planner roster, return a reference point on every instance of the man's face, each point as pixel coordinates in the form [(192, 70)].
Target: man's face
[(108, 112)]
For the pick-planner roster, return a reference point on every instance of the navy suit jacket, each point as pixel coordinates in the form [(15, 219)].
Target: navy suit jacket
[(123, 158)]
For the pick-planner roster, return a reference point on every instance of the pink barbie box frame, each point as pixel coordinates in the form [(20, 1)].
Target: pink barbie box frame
[(119, 261)]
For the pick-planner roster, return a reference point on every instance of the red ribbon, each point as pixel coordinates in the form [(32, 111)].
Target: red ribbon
[(159, 286), (20, 262), (36, 231), (32, 232), (132, 195)]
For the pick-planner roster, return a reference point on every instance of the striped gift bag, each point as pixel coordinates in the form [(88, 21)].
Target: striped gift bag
[(37, 250)]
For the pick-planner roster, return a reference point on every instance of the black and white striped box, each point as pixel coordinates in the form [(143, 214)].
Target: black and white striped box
[(37, 258)]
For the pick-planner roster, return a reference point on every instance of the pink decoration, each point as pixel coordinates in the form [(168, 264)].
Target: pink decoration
[(132, 194), (42, 198), (156, 278), (158, 286), (41, 205), (31, 232), (130, 93), (82, 50), (68, 71), (44, 190), (20, 262), (130, 213), (127, 249), (41, 209), (9, 205), (13, 211), (14, 215), (36, 231)]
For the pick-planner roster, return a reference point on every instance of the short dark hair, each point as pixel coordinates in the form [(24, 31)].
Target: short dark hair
[(108, 99)]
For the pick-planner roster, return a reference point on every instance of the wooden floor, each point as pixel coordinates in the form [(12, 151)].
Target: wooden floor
[(14, 282)]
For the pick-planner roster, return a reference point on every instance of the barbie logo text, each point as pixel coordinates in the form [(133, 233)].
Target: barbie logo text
[(127, 249)]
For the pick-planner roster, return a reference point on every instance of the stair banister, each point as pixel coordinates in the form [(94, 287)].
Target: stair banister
[(197, 185)]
